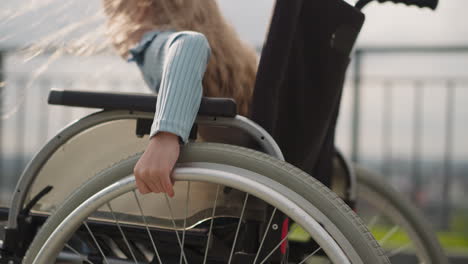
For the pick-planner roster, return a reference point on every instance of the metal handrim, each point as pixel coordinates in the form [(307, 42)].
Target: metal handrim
[(274, 196)]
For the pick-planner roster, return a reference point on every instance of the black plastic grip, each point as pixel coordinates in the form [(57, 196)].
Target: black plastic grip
[(225, 107), (432, 4)]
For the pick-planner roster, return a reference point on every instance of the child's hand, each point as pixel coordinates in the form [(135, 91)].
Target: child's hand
[(153, 170)]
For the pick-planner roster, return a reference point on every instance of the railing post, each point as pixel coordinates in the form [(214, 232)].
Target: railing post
[(2, 92), (418, 112), (448, 156), (387, 127), (356, 114), (2, 79)]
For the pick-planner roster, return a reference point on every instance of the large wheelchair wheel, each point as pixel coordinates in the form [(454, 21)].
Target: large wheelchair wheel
[(338, 232), (398, 226)]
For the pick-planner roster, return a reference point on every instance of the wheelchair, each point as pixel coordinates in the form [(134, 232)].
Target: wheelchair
[(76, 200)]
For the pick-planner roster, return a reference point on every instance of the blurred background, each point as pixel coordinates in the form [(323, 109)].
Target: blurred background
[(404, 111)]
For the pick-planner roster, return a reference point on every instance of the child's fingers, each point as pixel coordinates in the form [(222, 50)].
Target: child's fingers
[(155, 185), (142, 188), (167, 185), (171, 177)]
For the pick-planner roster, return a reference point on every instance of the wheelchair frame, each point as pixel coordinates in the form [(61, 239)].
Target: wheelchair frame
[(28, 176), (27, 179), (266, 142), (263, 138)]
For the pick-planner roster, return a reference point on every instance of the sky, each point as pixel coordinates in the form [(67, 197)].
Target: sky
[(386, 24)]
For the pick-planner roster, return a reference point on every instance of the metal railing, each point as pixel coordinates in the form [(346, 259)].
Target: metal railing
[(415, 158), (33, 122)]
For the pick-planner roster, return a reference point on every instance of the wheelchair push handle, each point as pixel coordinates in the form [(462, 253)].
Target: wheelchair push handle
[(432, 4)]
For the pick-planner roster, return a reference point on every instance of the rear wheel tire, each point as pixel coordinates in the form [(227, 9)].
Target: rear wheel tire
[(335, 215), (399, 215)]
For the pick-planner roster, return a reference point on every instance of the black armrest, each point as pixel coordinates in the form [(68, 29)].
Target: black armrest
[(210, 106)]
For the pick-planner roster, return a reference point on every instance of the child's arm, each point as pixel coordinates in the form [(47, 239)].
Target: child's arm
[(179, 98)]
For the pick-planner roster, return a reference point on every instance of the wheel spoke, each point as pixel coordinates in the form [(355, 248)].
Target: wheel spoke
[(84, 258), (147, 228), (389, 234), (185, 221), (279, 244), (238, 228), (96, 242), (264, 235), (399, 250), (122, 233), (310, 255), (211, 225), (175, 228), (374, 220)]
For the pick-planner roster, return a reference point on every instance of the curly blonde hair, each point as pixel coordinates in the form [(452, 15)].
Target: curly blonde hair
[(232, 67)]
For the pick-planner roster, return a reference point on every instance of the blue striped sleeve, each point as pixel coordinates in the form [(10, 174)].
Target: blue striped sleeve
[(180, 90)]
